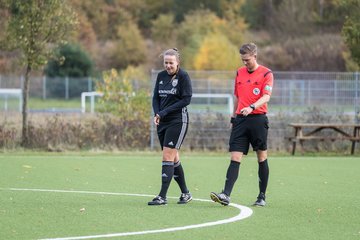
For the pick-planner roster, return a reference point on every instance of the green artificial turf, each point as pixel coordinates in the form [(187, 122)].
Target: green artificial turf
[(309, 197)]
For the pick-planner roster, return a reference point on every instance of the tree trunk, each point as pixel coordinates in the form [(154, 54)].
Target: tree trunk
[(25, 133)]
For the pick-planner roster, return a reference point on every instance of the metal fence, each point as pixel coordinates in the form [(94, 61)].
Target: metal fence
[(333, 92), (297, 96), (293, 91), (45, 87)]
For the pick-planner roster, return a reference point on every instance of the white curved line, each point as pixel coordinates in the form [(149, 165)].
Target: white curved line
[(245, 212)]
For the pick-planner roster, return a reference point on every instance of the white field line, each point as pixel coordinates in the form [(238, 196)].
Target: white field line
[(245, 212)]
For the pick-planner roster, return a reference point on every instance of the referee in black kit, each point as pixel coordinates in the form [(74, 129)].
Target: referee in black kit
[(252, 91), (172, 93)]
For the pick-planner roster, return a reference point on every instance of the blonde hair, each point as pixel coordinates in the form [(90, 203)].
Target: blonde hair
[(248, 48), (171, 52)]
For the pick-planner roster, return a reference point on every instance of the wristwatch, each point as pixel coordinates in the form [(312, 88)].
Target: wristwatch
[(252, 106)]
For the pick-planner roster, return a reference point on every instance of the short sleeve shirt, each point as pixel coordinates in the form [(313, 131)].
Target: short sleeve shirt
[(249, 87)]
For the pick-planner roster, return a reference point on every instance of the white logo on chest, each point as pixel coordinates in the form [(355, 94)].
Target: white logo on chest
[(256, 91), (174, 82)]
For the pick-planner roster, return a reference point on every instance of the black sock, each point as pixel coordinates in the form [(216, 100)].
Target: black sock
[(166, 176), (180, 177), (231, 176), (263, 176)]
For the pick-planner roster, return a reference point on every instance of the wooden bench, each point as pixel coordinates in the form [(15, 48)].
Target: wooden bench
[(312, 128)]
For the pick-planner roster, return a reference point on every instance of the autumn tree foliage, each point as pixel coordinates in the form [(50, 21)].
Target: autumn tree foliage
[(120, 33), (34, 28), (120, 97), (351, 28), (211, 57), (203, 30)]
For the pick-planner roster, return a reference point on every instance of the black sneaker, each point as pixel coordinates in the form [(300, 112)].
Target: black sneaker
[(221, 198), (185, 198), (158, 200), (260, 200)]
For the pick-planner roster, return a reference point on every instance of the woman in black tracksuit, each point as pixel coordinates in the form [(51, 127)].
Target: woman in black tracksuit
[(172, 93)]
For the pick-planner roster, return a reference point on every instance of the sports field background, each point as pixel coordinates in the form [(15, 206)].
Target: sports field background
[(309, 197)]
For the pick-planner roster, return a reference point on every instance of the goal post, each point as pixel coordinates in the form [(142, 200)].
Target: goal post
[(6, 93), (202, 102), (92, 96)]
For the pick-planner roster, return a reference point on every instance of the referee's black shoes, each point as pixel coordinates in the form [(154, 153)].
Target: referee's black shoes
[(221, 198), (185, 198), (260, 200), (158, 200)]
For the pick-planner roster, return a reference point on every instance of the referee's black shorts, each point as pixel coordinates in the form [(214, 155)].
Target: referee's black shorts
[(172, 134), (246, 130)]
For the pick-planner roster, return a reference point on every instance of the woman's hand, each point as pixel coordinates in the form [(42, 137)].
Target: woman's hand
[(157, 119)]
